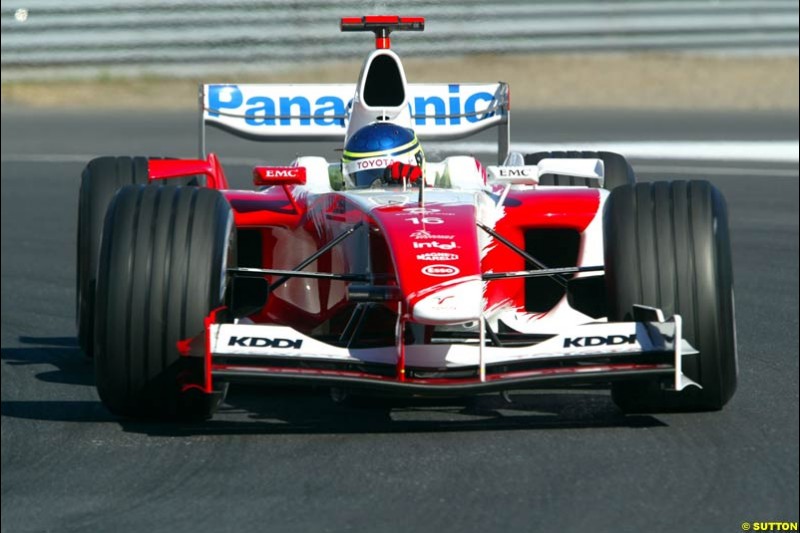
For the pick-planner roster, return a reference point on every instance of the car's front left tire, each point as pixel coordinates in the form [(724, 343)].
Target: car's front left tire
[(667, 246)]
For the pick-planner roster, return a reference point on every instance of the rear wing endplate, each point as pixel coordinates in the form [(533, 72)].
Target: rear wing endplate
[(320, 112)]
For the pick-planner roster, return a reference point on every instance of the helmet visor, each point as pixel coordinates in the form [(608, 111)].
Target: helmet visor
[(374, 171), (363, 179)]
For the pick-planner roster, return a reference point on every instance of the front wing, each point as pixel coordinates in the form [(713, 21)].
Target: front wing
[(580, 354)]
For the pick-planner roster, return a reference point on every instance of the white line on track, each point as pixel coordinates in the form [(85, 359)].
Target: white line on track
[(704, 170), (85, 158), (46, 158), (781, 152)]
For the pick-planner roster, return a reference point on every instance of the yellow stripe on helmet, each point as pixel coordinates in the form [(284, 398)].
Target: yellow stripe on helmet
[(400, 150)]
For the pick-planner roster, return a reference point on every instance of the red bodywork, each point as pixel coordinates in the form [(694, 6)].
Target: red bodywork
[(294, 223), (414, 249)]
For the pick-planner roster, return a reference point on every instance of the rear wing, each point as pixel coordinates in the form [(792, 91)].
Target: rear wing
[(320, 112)]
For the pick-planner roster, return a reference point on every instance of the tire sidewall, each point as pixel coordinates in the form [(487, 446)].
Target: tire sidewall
[(162, 270), (700, 272)]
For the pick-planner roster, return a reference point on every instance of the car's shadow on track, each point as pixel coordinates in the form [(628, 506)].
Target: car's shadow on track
[(258, 410), (63, 353), (297, 411), (63, 364)]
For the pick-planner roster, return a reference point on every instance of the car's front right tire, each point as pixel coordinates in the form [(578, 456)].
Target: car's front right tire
[(100, 180), (161, 271)]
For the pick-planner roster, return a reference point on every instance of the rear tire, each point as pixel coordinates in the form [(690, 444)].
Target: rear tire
[(667, 246), (161, 271), (101, 178), (617, 169)]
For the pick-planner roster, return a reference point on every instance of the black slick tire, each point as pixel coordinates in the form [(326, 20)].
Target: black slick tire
[(100, 180), (667, 246), (617, 169), (161, 271)]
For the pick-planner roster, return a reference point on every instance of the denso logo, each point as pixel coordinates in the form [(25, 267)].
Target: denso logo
[(329, 110), (589, 342), (422, 234), (436, 244), (264, 342), (440, 271)]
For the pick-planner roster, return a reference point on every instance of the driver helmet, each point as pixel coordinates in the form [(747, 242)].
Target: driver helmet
[(370, 152)]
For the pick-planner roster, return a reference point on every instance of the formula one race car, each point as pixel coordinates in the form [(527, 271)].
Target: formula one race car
[(385, 273)]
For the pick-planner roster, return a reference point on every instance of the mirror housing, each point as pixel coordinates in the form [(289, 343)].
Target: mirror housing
[(264, 176)]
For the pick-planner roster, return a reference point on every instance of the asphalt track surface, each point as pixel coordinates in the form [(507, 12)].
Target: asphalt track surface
[(291, 460)]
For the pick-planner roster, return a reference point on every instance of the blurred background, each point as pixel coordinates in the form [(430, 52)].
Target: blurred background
[(687, 54)]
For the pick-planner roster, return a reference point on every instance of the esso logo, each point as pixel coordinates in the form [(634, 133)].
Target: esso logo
[(440, 271)]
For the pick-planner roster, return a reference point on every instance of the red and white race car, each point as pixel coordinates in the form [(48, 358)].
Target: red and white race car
[(386, 273)]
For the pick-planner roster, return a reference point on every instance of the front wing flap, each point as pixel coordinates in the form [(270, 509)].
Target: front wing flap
[(584, 353)]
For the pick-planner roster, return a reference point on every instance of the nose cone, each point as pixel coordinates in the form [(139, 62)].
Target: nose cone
[(436, 258), (454, 303)]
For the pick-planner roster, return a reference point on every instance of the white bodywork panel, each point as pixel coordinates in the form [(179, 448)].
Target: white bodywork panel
[(457, 303), (529, 174), (602, 340), (317, 174)]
